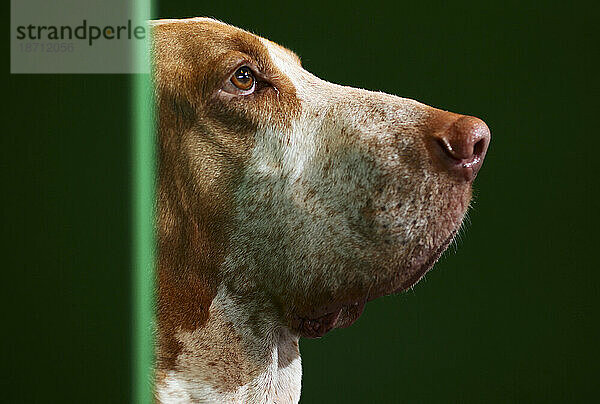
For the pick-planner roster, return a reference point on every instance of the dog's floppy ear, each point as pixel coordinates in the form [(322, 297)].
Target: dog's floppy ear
[(181, 65)]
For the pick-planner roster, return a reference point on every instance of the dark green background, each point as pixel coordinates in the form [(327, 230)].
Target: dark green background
[(510, 315)]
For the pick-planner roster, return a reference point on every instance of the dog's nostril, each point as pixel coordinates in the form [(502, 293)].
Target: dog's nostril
[(479, 148), (446, 148)]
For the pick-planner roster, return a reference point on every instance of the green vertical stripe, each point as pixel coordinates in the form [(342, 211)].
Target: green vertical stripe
[(143, 233)]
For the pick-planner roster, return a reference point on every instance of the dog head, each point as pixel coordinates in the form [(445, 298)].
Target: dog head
[(286, 188)]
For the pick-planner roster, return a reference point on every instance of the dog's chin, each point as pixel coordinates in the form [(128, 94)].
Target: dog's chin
[(343, 313)]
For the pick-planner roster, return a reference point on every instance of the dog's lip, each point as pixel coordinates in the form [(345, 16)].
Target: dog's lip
[(317, 323), (426, 266), (315, 326)]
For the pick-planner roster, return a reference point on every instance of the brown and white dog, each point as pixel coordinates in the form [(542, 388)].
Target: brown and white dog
[(285, 203)]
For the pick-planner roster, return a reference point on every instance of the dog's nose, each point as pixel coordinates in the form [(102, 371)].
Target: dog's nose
[(462, 146)]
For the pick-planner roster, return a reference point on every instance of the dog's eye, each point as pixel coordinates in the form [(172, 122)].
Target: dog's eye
[(243, 79)]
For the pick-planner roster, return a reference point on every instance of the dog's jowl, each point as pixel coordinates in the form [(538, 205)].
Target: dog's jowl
[(285, 203)]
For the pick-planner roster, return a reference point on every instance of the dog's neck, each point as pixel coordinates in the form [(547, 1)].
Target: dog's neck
[(238, 355)]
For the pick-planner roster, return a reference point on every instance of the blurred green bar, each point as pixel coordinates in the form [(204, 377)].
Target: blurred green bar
[(143, 203)]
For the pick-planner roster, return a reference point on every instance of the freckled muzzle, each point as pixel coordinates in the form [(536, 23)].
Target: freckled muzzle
[(417, 218)]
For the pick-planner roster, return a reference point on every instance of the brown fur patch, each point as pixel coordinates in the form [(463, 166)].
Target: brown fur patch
[(204, 141)]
